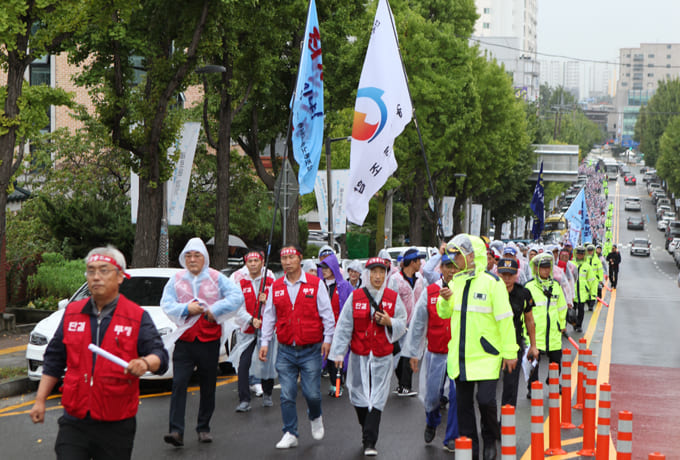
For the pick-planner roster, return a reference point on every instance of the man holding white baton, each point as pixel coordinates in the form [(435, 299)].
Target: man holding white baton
[(100, 397)]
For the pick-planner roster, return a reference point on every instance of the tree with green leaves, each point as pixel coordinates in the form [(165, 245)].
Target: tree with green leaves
[(668, 164), (655, 117), (46, 25), (136, 58)]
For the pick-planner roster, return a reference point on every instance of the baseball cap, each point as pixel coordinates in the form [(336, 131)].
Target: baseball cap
[(412, 254), (545, 262), (376, 262), (509, 250), (446, 259), (507, 266)]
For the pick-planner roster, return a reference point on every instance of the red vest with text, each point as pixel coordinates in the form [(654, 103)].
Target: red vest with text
[(251, 295), (208, 292), (335, 303), (108, 394), (367, 335), (438, 330), (298, 324)]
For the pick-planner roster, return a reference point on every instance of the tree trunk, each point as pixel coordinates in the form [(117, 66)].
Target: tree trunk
[(148, 229)]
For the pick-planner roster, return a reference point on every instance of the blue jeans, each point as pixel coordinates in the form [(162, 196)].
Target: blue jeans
[(307, 364), (434, 418)]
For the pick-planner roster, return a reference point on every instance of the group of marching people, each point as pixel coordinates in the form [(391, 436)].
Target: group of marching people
[(463, 320)]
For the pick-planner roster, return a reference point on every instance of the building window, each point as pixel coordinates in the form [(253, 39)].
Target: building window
[(650, 65), (39, 73), (628, 55), (624, 83), (668, 47), (628, 74), (668, 66), (668, 56), (486, 25), (650, 74), (487, 10), (650, 56)]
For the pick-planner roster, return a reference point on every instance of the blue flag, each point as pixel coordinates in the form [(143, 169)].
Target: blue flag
[(579, 221), (537, 204), (307, 105)]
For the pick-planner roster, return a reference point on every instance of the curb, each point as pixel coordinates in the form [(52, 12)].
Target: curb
[(15, 387)]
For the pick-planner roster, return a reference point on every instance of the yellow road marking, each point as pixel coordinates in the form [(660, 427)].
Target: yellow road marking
[(7, 411), (6, 351)]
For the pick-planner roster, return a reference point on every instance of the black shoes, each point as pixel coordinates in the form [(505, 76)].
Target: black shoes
[(174, 438), (490, 451), (430, 431), (450, 446), (204, 436)]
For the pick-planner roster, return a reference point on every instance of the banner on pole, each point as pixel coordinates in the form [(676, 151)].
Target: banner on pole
[(178, 185), (447, 214), (476, 219), (338, 183)]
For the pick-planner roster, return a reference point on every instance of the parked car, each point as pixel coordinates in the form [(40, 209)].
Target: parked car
[(667, 217), (640, 246), (673, 245), (632, 204), (657, 194), (672, 231), (676, 256), (629, 180), (666, 201), (635, 223), (397, 250), (652, 186), (145, 287), (661, 210)]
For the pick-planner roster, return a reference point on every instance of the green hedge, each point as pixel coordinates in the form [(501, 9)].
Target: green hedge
[(56, 277)]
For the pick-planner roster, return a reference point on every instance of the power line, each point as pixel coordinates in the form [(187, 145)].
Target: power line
[(570, 58)]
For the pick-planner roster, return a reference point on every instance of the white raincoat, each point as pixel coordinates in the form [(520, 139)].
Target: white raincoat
[(433, 368), (368, 377), (259, 369), (210, 287)]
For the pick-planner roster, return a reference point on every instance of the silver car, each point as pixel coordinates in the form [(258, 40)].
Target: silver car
[(632, 204), (640, 246)]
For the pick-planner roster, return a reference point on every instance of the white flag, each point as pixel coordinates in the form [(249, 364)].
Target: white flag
[(382, 110)]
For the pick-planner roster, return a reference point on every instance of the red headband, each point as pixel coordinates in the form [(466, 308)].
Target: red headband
[(109, 260), (290, 252), (253, 254)]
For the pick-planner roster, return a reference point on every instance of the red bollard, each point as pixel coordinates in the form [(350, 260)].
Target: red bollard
[(603, 422), (566, 390), (657, 456), (463, 448), (554, 411), (588, 449), (585, 357), (537, 439), (508, 433), (624, 441)]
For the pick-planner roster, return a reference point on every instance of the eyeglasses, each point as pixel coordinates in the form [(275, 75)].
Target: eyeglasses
[(103, 271)]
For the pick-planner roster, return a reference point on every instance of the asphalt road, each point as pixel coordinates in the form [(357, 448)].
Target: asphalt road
[(633, 338)]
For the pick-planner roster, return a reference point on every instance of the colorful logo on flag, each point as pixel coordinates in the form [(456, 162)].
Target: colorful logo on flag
[(376, 108)]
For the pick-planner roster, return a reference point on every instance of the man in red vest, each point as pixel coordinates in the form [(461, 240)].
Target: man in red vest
[(300, 311), (100, 398), (371, 321), (198, 300)]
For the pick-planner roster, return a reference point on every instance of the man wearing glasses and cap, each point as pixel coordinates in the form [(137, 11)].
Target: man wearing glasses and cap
[(409, 284), (482, 339)]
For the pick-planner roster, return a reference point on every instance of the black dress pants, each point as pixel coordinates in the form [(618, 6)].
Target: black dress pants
[(90, 439), (488, 411), (370, 424)]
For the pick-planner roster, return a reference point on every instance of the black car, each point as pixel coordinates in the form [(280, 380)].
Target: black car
[(636, 223)]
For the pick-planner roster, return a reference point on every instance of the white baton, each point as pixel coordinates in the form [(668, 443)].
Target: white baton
[(105, 354)]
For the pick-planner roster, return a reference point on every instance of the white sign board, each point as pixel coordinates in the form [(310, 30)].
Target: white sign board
[(178, 184), (476, 219), (339, 179), (447, 214)]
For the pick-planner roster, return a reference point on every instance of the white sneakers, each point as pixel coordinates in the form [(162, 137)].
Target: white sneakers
[(257, 389), (287, 441), (290, 440), (317, 428)]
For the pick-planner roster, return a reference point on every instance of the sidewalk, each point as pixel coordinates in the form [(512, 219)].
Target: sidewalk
[(13, 355)]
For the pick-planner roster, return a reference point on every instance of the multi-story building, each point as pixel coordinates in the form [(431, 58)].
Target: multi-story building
[(640, 70), (506, 30)]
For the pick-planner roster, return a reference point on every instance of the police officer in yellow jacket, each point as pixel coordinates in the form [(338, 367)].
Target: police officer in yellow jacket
[(585, 285), (550, 310), (595, 262), (482, 339)]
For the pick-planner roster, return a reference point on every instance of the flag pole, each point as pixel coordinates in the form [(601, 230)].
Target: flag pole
[(277, 188), (440, 230)]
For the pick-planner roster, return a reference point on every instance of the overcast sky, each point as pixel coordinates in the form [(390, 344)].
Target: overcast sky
[(596, 29)]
